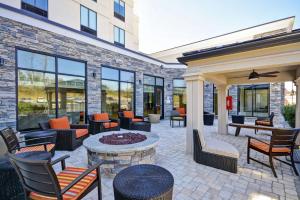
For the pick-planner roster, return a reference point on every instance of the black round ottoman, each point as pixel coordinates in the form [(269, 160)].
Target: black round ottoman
[(143, 182), (141, 126), (11, 187)]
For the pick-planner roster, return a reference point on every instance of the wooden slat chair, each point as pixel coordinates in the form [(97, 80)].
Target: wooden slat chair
[(41, 183), (14, 146), (281, 144), (265, 121)]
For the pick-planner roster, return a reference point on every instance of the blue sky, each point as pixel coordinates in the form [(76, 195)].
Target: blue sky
[(165, 23)]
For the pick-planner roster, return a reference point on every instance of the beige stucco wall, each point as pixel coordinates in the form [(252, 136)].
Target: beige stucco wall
[(67, 12)]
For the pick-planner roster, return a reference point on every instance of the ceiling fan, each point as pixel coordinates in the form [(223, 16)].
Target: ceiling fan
[(254, 75)]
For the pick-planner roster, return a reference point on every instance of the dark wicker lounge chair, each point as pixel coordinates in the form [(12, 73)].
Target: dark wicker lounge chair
[(281, 144), (208, 119), (215, 153), (68, 138), (238, 119), (39, 180), (265, 121), (127, 118), (103, 124), (13, 145)]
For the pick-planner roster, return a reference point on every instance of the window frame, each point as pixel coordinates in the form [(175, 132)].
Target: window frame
[(117, 14), (34, 9), (56, 56), (87, 29), (119, 85), (118, 42)]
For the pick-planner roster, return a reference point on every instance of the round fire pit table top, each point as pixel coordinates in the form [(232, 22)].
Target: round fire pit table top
[(93, 144)]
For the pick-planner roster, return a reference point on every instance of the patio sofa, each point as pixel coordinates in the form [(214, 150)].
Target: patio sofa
[(215, 153), (69, 136)]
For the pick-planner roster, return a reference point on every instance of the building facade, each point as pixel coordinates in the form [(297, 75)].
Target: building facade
[(52, 70)]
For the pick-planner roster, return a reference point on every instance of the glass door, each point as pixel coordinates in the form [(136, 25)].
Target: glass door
[(159, 101)]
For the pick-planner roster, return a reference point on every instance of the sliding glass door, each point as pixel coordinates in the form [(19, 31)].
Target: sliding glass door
[(254, 100), (153, 95)]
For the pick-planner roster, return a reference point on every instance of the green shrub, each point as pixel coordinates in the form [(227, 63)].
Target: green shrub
[(289, 112)]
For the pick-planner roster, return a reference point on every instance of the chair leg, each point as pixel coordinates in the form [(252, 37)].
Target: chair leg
[(272, 166), (99, 184), (248, 155), (293, 165)]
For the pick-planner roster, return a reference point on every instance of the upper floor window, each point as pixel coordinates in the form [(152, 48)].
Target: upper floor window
[(88, 20), (39, 7), (119, 9), (119, 36)]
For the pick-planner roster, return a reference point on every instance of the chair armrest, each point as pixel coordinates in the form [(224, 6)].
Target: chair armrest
[(81, 176), (79, 126), (27, 140), (250, 137), (139, 117), (62, 160)]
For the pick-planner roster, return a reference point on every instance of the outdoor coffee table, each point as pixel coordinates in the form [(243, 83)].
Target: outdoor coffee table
[(142, 182)]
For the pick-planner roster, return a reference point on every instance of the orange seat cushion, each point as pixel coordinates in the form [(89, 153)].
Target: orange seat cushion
[(65, 178), (263, 123), (101, 116), (182, 115), (137, 120), (59, 123), (266, 147), (128, 114), (181, 110), (110, 124), (49, 147), (81, 132)]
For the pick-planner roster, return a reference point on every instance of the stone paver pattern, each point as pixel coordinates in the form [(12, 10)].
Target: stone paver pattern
[(194, 181)]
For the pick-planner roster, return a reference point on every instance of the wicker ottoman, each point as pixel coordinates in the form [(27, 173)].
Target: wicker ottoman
[(141, 126), (143, 182)]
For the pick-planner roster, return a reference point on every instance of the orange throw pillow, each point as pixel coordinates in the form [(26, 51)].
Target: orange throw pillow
[(181, 110), (101, 116), (128, 114), (59, 123)]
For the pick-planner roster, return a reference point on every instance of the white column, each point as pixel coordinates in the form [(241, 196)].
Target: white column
[(297, 82), (194, 89), (222, 111)]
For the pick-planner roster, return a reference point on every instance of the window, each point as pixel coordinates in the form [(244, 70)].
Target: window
[(254, 100), (119, 36), (47, 90), (39, 7), (88, 20), (117, 91), (179, 93), (119, 9)]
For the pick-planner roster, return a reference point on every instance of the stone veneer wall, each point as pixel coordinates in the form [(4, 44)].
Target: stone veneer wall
[(208, 97), (14, 34)]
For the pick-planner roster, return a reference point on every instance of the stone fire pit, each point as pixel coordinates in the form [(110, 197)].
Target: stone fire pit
[(123, 155)]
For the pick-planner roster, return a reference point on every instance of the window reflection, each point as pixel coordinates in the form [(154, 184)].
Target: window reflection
[(110, 97), (36, 98), (179, 93), (127, 96)]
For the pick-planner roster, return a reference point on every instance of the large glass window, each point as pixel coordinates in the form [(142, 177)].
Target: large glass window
[(153, 95), (119, 36), (179, 93), (88, 20), (254, 100), (39, 7), (119, 9), (39, 98), (117, 91)]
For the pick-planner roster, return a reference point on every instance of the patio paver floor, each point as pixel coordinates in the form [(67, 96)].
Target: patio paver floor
[(194, 181)]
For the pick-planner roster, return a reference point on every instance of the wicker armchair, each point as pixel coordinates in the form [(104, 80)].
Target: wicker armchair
[(281, 144), (208, 119), (103, 124), (39, 180), (127, 118), (68, 138), (14, 146), (265, 121)]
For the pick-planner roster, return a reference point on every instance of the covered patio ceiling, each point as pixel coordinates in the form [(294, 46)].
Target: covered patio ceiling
[(231, 65)]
